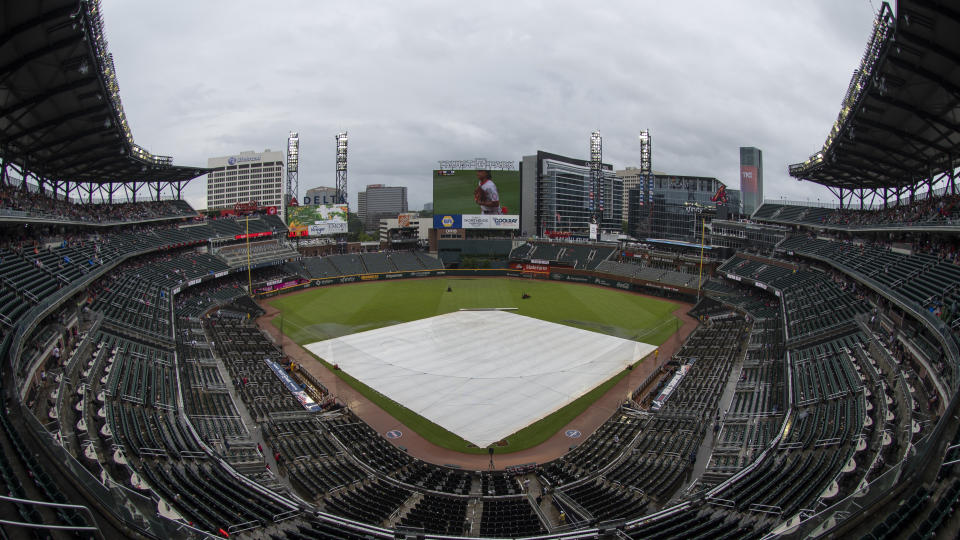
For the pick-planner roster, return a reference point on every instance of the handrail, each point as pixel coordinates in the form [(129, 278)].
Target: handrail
[(81, 508)]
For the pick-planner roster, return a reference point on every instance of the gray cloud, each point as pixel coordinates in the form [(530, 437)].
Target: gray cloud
[(414, 82)]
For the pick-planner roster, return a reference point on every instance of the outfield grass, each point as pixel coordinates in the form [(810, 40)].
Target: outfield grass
[(329, 312), (454, 194)]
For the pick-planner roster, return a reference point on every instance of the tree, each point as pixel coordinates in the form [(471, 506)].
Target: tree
[(354, 227)]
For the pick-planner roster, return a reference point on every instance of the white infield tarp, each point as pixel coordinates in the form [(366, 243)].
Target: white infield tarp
[(481, 374)]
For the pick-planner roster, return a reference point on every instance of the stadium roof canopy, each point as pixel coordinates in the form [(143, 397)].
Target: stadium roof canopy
[(61, 118), (899, 123)]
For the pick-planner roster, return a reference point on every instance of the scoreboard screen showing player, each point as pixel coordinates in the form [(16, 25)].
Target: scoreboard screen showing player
[(476, 192)]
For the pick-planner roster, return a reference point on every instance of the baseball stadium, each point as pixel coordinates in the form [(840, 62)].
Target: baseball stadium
[(170, 372)]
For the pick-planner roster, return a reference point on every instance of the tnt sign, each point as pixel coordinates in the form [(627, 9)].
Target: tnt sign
[(748, 179)]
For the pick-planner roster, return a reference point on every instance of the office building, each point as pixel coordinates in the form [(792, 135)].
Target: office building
[(380, 201), (319, 195), (244, 177), (751, 178), (555, 193)]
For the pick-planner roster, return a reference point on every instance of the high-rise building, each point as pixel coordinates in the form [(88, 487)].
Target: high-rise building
[(379, 201), (751, 178), (632, 177), (555, 194), (320, 195), (244, 177), (669, 209)]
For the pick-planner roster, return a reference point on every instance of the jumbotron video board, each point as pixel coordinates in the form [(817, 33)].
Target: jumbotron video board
[(476, 199), (319, 220)]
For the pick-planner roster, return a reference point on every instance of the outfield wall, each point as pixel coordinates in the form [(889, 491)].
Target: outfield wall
[(554, 274)]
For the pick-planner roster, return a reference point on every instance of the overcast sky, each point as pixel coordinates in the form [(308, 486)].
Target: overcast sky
[(415, 82)]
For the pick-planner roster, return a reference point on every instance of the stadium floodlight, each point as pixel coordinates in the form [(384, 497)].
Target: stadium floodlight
[(596, 176), (293, 168), (341, 169)]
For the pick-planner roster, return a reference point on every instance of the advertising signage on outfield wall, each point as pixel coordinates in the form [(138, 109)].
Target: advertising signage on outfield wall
[(320, 220), (475, 221)]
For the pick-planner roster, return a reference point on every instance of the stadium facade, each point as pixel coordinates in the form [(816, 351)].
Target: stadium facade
[(555, 191), (244, 177), (671, 206), (823, 381)]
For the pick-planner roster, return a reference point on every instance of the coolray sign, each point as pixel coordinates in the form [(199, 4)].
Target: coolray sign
[(477, 163), (486, 221)]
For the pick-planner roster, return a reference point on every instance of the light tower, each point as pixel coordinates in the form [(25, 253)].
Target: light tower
[(646, 152), (596, 183), (646, 173), (341, 185), (293, 168)]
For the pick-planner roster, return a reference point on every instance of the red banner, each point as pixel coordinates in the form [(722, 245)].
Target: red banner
[(253, 235), (247, 207), (532, 268)]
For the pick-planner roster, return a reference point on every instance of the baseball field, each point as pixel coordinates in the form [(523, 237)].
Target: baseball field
[(328, 312)]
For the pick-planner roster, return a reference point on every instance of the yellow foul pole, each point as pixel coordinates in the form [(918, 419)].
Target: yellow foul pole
[(703, 237), (249, 277)]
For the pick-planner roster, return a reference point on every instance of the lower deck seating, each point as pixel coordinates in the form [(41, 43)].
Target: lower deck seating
[(509, 518), (438, 515), (371, 503)]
